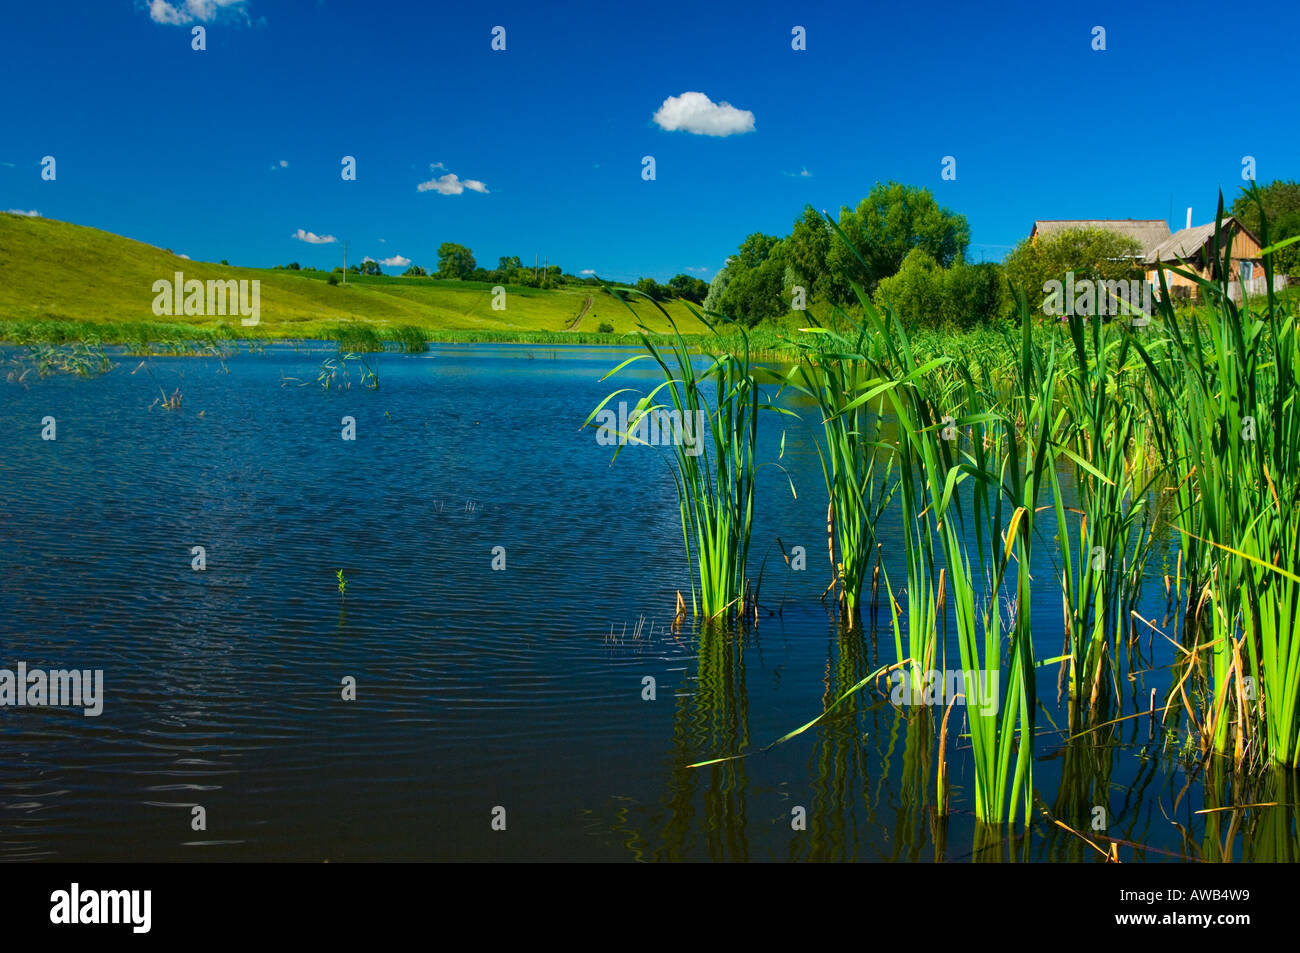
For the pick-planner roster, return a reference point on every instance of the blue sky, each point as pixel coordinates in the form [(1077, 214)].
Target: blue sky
[(230, 152)]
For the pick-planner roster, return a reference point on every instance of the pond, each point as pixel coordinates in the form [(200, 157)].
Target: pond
[(460, 701)]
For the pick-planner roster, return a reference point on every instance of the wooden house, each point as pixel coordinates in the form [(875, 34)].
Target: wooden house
[(1192, 249)]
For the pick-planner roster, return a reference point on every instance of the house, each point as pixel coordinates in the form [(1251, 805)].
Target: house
[(1193, 249)]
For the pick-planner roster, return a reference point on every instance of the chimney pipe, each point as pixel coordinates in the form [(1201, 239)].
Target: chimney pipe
[(1189, 216)]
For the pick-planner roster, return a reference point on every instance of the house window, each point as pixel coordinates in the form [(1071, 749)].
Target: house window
[(1247, 270)]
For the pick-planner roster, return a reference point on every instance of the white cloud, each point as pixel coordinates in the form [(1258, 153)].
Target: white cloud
[(397, 261), (189, 11), (695, 112), (803, 173), (312, 238), (182, 12), (30, 213), (282, 164), (700, 270), (449, 183), (587, 271)]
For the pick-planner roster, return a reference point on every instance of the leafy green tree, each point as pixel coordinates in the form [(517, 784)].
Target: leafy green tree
[(756, 289), (652, 288), (808, 252), (1091, 253), (974, 295), (916, 292), (415, 271), (688, 287), (455, 261), (891, 221), (1281, 201), (371, 267), (717, 287)]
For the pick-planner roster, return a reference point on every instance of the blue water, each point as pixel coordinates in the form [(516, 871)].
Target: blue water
[(476, 689)]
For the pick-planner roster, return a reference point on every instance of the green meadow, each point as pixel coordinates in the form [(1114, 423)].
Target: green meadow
[(56, 276)]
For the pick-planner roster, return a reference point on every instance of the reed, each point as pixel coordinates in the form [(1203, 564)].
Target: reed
[(713, 474), (834, 373)]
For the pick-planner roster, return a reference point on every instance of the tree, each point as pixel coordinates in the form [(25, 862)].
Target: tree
[(455, 261), (915, 293), (415, 271), (1091, 253), (756, 289), (974, 294), (652, 288), (1281, 201), (717, 287), (891, 221), (808, 252), (371, 267), (688, 287)]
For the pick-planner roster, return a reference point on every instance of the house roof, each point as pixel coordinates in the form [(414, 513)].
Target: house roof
[(1149, 232), (1186, 242)]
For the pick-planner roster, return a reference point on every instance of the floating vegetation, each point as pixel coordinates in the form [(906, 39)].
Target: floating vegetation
[(339, 373)]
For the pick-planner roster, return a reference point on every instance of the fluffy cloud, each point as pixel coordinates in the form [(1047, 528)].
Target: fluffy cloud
[(695, 112), (449, 183), (312, 238), (803, 173), (587, 271), (397, 261), (182, 12), (30, 213)]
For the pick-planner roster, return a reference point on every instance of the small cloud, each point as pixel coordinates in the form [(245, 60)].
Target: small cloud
[(282, 164), (190, 11), (803, 173), (696, 113), (449, 183), (700, 270), (587, 271), (7, 165), (397, 261), (312, 238), (383, 241), (30, 213)]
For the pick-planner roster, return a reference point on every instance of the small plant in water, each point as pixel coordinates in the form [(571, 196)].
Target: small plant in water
[(343, 584)]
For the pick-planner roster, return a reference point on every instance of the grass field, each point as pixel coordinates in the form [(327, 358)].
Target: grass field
[(54, 271)]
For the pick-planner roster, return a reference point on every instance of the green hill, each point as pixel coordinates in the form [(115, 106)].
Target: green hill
[(54, 271)]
